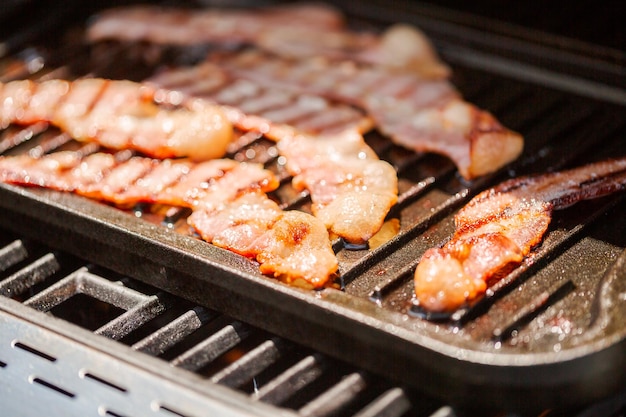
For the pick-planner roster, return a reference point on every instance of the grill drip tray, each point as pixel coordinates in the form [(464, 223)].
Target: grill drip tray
[(551, 334)]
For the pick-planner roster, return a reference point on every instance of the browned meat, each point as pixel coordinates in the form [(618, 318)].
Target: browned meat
[(192, 26), (291, 31), (418, 113), (500, 226), (351, 189), (119, 115), (249, 106), (228, 200)]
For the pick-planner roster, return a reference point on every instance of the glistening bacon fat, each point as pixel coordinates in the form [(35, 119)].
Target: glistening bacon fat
[(421, 114), (499, 227), (229, 206), (119, 115), (351, 189)]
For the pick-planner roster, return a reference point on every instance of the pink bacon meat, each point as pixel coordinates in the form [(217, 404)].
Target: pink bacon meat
[(119, 115), (192, 26), (249, 106), (229, 206), (498, 228), (419, 113), (351, 189), (292, 31)]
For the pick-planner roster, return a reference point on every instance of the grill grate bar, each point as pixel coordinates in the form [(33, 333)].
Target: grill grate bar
[(292, 380), (253, 362), (30, 275), (206, 351), (421, 224), (82, 282), (336, 397), (15, 136), (132, 319), (392, 403), (530, 310), (172, 333), (12, 254)]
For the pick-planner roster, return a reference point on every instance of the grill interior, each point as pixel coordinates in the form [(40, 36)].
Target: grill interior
[(541, 331)]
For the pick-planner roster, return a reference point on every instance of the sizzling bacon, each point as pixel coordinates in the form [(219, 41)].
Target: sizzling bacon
[(418, 113), (401, 48), (351, 189), (500, 226), (292, 31), (249, 106), (192, 26), (229, 206), (119, 115)]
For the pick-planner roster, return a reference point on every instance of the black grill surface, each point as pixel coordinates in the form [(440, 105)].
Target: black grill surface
[(551, 334)]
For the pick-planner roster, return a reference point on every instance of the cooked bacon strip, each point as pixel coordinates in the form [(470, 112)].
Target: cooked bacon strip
[(290, 245), (251, 107), (400, 47), (192, 26), (119, 115), (351, 189), (229, 206), (500, 226), (291, 31), (418, 113)]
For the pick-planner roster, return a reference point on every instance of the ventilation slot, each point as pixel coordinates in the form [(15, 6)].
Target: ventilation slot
[(34, 351), (51, 386)]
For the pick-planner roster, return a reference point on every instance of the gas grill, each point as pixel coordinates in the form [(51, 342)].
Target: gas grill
[(125, 313)]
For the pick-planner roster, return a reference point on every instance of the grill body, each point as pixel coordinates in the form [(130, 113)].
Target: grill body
[(551, 334)]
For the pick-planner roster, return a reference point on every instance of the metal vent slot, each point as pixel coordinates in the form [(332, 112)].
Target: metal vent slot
[(99, 380), (51, 386), (34, 351)]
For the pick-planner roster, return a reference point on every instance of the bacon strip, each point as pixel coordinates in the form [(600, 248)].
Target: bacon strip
[(119, 115), (291, 31), (228, 200), (250, 107), (192, 26), (351, 189), (418, 113), (498, 228)]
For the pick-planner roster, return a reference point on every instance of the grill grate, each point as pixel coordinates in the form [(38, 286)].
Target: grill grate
[(96, 376), (553, 307)]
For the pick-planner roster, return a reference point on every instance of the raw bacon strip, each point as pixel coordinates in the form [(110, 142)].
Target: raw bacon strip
[(420, 114), (500, 226), (119, 115), (249, 106), (230, 207), (351, 189), (296, 31)]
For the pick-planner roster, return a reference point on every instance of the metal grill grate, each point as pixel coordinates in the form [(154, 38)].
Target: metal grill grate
[(64, 363)]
